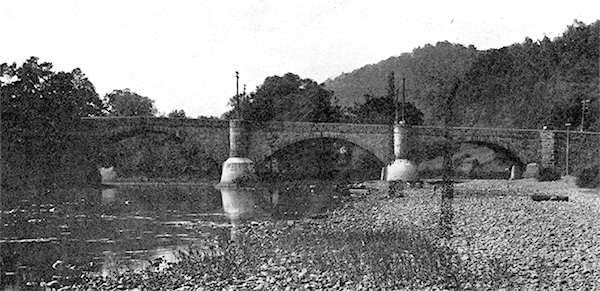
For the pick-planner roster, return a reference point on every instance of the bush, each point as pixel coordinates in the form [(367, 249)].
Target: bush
[(548, 174), (588, 177)]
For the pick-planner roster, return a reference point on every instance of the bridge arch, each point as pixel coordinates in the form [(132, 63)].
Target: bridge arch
[(274, 142), (527, 145), (318, 158), (503, 148), (524, 146)]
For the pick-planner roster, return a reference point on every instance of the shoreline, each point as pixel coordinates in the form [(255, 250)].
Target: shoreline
[(501, 240)]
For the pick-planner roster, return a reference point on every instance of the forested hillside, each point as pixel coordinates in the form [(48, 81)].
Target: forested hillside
[(548, 82)]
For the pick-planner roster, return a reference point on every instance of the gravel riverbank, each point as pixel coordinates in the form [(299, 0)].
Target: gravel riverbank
[(530, 245), (501, 240), (547, 245)]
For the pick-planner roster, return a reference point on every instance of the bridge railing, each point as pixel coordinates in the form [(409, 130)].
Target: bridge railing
[(111, 122)]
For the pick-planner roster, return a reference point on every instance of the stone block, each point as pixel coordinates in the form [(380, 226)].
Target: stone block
[(531, 171)]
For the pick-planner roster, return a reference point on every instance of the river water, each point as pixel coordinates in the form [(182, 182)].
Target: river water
[(59, 234)]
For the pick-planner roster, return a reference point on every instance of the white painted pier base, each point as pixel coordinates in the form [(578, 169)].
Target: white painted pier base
[(400, 170), (236, 168)]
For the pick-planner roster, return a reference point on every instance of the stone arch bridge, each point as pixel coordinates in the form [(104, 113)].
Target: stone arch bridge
[(222, 139)]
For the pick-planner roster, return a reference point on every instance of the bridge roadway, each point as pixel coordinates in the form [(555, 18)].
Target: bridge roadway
[(259, 141)]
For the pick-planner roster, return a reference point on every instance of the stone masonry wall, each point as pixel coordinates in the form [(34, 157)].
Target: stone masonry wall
[(265, 140), (544, 147)]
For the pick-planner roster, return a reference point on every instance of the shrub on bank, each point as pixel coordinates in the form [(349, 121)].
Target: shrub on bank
[(548, 174), (588, 177)]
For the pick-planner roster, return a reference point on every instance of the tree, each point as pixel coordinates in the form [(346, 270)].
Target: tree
[(437, 69), (38, 106), (177, 114), (381, 110), (37, 99), (287, 98), (128, 103)]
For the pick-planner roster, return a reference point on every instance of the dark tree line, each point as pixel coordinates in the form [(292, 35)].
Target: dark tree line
[(39, 107), (128, 103), (548, 82), (287, 98), (386, 109), (35, 98), (291, 98), (532, 84)]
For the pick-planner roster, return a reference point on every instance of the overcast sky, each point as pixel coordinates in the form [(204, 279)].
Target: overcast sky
[(184, 54)]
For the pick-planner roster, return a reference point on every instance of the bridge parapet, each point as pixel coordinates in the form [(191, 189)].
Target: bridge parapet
[(468, 132), (350, 128), (104, 126)]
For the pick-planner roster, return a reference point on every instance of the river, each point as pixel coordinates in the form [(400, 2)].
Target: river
[(60, 234)]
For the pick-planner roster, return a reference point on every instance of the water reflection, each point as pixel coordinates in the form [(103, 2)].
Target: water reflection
[(240, 204), (100, 230), (128, 227), (109, 195)]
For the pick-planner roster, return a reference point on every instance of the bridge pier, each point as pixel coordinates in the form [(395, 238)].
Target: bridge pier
[(548, 143), (401, 140), (237, 166), (401, 169)]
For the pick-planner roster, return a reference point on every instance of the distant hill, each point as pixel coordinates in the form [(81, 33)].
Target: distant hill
[(522, 85), (351, 88)]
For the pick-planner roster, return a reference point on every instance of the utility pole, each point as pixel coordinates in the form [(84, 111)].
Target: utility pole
[(584, 108), (403, 99)]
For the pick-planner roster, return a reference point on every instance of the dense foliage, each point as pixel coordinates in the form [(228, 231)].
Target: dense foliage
[(386, 109), (320, 159), (128, 103), (158, 156), (523, 85), (38, 106), (290, 98), (287, 98), (35, 98), (177, 114)]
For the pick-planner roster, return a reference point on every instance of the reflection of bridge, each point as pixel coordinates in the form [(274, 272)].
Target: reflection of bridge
[(258, 142)]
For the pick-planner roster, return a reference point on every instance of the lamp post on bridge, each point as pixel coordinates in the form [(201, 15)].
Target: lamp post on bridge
[(568, 124), (401, 169), (237, 94), (238, 167)]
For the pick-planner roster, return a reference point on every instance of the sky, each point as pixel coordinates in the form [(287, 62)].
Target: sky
[(184, 54)]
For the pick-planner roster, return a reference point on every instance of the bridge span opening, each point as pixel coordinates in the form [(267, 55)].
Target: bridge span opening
[(320, 159), (141, 155), (470, 159)]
